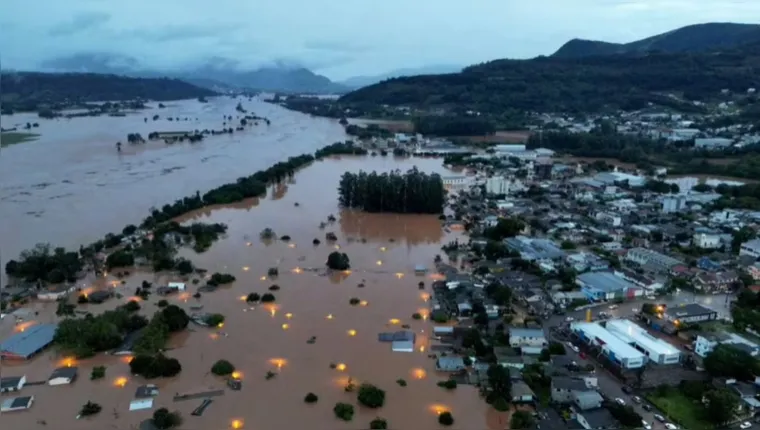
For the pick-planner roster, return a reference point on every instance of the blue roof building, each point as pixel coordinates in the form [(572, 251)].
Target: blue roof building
[(24, 345), (604, 286)]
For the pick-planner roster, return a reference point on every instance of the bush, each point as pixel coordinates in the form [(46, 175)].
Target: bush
[(253, 297), (162, 303), (338, 261), (449, 384), (222, 368), (90, 408), (132, 306), (416, 316), (371, 396), (220, 279), (445, 419), (163, 419), (267, 298), (401, 382), (316, 241), (344, 411), (98, 372), (214, 320), (378, 424), (354, 301), (285, 238), (82, 299), (500, 404), (154, 366), (274, 287), (311, 398)]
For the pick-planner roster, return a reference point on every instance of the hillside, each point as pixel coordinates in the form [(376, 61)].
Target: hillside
[(693, 38), (32, 90), (362, 81), (569, 84)]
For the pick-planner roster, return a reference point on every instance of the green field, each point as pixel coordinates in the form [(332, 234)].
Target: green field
[(681, 410), (12, 138)]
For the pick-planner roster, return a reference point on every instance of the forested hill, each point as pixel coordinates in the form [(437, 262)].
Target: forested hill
[(33, 90), (574, 84), (692, 38)]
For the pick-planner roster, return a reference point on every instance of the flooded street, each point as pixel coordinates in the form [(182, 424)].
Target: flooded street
[(383, 250)]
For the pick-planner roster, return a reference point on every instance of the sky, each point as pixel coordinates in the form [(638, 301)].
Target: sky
[(337, 38)]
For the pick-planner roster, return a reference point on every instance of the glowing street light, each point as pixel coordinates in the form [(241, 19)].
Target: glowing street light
[(329, 316), (246, 268), (297, 270), (263, 278), (399, 275), (383, 249), (237, 424), (363, 303), (120, 382), (285, 326), (341, 367), (352, 332), (288, 315), (379, 262), (394, 321), (291, 245)]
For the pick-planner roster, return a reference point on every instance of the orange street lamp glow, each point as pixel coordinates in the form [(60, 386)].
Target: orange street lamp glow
[(237, 424), (288, 315), (279, 362), (352, 332), (341, 367), (419, 373), (68, 362), (243, 298), (425, 297), (272, 312), (220, 325), (329, 316), (439, 409), (237, 375), (379, 262), (399, 275), (363, 303), (394, 321), (297, 270), (246, 268), (120, 382), (263, 278), (285, 326), (422, 348)]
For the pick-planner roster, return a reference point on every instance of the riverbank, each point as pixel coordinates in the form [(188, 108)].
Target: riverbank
[(12, 138), (383, 249)]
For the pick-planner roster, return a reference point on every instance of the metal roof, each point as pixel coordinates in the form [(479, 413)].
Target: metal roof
[(631, 332), (613, 343), (527, 332), (605, 281), (30, 341)]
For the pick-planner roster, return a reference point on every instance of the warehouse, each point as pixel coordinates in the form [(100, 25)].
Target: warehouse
[(612, 346), (657, 350), (606, 286), (24, 345)]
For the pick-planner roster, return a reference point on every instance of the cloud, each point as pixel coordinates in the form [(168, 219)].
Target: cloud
[(79, 23)]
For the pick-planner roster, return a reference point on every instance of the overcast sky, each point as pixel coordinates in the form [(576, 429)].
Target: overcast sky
[(338, 38)]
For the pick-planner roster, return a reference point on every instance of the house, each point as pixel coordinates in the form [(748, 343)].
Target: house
[(709, 265), (706, 342), (747, 393), (55, 292), (521, 393), (711, 281), (450, 364), (403, 341), (706, 241), (587, 400), (527, 337), (689, 313), (562, 388), (63, 376), (12, 383), (751, 248), (653, 259), (146, 391), (98, 297), (16, 404), (606, 286), (597, 419), (24, 345), (754, 271), (140, 404)]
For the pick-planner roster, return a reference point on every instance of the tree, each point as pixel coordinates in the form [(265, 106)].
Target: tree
[(504, 228), (163, 419), (743, 235), (568, 245), (98, 372), (311, 398), (344, 411), (500, 404), (338, 261), (556, 348), (267, 298), (154, 366), (214, 320), (448, 384), (445, 418), (499, 380), (410, 192), (253, 297), (524, 420), (371, 396), (90, 408), (730, 362), (120, 258), (222, 368), (721, 405), (627, 416), (378, 424)]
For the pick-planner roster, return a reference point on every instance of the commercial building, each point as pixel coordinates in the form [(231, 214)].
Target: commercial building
[(653, 259), (614, 348), (457, 183), (657, 350), (706, 342), (751, 248), (690, 313), (606, 286), (26, 344), (527, 337), (534, 249)]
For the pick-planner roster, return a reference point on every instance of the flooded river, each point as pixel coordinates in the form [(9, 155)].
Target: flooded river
[(383, 250)]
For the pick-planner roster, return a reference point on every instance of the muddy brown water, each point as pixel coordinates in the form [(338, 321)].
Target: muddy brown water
[(255, 338)]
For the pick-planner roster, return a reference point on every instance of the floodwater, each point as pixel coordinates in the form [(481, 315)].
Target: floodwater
[(383, 249)]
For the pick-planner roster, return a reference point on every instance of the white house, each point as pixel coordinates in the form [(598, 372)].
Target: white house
[(12, 383), (706, 241), (54, 293), (497, 185), (179, 286), (63, 376), (529, 337)]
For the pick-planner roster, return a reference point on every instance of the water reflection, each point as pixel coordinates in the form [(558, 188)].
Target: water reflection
[(413, 229)]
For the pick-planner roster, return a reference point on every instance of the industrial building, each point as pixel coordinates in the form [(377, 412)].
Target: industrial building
[(657, 350), (614, 348), (606, 286), (29, 342)]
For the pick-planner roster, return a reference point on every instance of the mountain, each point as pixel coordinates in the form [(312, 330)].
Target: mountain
[(26, 91), (553, 84), (216, 73), (363, 81), (692, 38)]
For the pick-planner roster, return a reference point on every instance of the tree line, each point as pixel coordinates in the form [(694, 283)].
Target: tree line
[(410, 192)]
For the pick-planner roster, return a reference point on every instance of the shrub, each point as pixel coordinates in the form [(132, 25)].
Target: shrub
[(154, 366), (98, 372), (416, 316), (445, 419), (163, 419), (371, 396), (214, 320), (162, 303), (316, 241), (378, 424), (90, 408), (270, 375), (285, 238), (274, 287), (222, 368), (218, 279), (354, 301), (500, 404), (311, 398), (401, 382), (82, 299), (344, 411), (449, 384), (253, 297), (338, 261), (132, 306), (267, 298), (273, 271)]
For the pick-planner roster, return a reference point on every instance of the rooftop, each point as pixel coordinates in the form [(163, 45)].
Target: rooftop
[(691, 309), (619, 347), (526, 332), (29, 342), (631, 332), (64, 372), (605, 281)]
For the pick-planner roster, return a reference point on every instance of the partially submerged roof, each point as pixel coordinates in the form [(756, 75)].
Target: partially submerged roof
[(144, 391), (29, 342), (605, 281), (527, 332), (64, 372)]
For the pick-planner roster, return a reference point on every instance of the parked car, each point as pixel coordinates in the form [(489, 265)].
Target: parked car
[(620, 401), (569, 319), (659, 418), (626, 389), (646, 407), (612, 307), (575, 349), (636, 399), (646, 425), (671, 426), (745, 425)]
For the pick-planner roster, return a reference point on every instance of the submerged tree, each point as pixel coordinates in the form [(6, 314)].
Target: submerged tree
[(410, 192)]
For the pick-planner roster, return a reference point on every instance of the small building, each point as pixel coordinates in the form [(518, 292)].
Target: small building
[(146, 391), (63, 376), (420, 270), (706, 342), (527, 337), (24, 345), (450, 364), (521, 393), (403, 341), (55, 292), (597, 419), (689, 313), (140, 404), (16, 404), (658, 351), (12, 383), (614, 348)]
